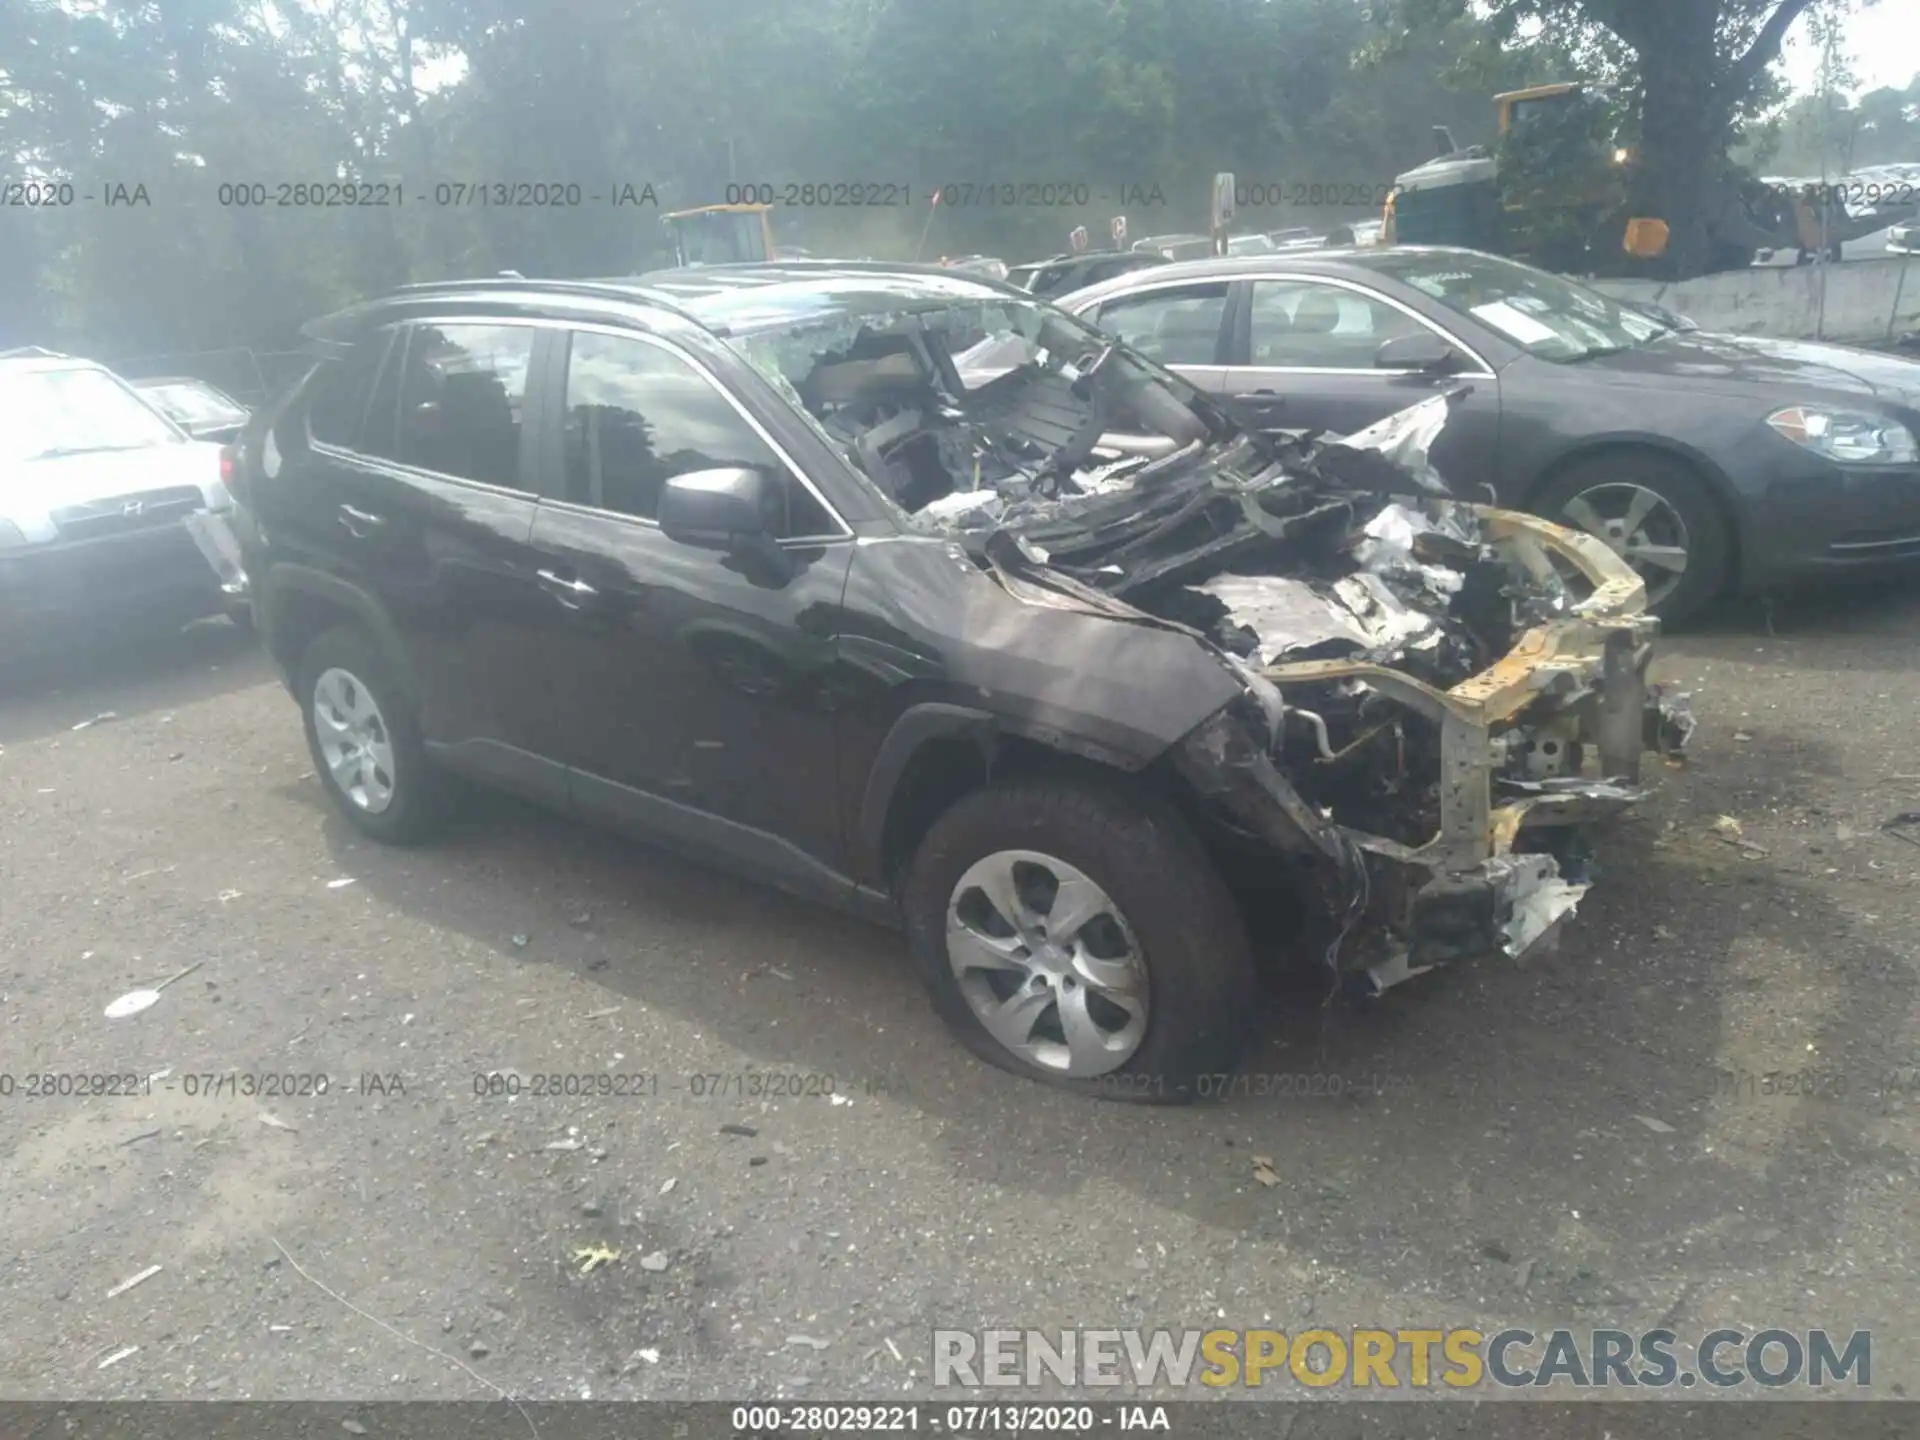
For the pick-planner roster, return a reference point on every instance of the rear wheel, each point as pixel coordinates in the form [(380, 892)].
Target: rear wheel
[(1654, 513), (1079, 937), (365, 741)]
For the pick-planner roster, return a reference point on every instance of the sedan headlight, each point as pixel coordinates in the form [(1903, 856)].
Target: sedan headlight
[(1848, 437), (12, 537)]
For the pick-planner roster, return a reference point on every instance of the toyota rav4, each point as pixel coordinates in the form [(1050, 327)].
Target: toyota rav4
[(902, 590)]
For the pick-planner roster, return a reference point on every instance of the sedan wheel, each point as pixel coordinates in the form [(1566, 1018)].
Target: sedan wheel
[(1048, 963), (354, 740), (1639, 525)]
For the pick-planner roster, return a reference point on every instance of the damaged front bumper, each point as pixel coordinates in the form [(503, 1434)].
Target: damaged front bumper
[(1507, 866)]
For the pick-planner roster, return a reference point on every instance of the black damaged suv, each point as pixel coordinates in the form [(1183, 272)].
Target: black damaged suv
[(902, 590)]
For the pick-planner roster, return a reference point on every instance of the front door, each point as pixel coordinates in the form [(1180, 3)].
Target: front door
[(689, 681)]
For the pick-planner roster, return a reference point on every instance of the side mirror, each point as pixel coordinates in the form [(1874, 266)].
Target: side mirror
[(716, 509), (1425, 352)]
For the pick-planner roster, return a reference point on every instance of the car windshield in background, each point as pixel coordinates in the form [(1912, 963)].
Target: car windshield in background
[(195, 404), (48, 413), (1551, 318)]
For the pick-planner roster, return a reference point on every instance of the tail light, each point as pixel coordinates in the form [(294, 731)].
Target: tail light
[(233, 471)]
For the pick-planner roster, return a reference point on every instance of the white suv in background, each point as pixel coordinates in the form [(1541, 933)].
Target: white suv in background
[(96, 488)]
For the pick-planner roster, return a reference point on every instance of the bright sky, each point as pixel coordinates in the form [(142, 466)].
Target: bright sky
[(1882, 42)]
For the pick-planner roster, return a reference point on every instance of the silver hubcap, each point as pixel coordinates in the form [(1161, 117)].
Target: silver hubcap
[(1640, 527), (1049, 964), (354, 740)]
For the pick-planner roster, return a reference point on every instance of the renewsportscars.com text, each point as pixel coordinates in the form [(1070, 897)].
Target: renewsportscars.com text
[(1363, 1359)]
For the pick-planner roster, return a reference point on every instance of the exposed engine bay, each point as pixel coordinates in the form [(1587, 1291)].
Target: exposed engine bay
[(1440, 698)]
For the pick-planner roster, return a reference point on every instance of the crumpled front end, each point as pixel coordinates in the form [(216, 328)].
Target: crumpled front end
[(1444, 702)]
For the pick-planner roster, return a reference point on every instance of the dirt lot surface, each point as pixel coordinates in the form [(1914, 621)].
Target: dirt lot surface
[(1588, 1140)]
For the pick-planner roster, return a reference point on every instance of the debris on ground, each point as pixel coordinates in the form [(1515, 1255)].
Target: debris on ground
[(656, 1261), (136, 1139), (1900, 825), (746, 1130), (353, 1427), (808, 1342), (1263, 1171), (569, 1144), (591, 1257), (134, 1001), (1728, 830), (667, 1188), (274, 1122), (102, 718), (610, 1011), (1659, 1127), (133, 1280), (520, 942), (342, 882), (117, 1356)]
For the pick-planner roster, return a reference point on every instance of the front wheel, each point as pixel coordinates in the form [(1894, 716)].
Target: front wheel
[(1080, 937), (1657, 515)]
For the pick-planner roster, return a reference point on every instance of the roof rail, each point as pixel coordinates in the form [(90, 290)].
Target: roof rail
[(601, 289), (40, 352)]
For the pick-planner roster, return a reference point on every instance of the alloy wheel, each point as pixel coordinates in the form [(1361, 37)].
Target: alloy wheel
[(1047, 962), (1639, 525), (354, 740)]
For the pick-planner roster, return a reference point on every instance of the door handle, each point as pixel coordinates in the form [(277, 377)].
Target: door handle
[(568, 592), (360, 523), (1268, 394)]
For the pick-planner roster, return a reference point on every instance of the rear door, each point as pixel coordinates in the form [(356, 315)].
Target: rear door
[(1300, 356), (693, 686), (416, 490), (1182, 326)]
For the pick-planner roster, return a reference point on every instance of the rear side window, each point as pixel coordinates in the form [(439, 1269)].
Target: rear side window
[(463, 391), (339, 390), (1175, 327)]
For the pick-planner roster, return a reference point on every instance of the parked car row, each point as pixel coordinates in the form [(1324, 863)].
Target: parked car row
[(1061, 635)]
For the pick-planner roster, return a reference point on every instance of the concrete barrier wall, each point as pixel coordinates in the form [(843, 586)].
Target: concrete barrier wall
[(1867, 300)]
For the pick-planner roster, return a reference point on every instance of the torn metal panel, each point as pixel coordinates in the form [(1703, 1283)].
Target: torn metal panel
[(1536, 901), (1286, 614)]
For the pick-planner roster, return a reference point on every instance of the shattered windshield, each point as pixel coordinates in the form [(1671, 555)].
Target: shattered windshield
[(962, 410), (1545, 315)]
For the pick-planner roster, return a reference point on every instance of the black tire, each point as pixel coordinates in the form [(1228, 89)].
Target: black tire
[(1203, 997), (421, 798), (1709, 538)]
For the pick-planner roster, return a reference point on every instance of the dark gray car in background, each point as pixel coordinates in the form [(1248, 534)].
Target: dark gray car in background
[(1711, 462)]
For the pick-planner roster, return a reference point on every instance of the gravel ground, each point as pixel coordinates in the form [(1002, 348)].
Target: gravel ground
[(1583, 1141)]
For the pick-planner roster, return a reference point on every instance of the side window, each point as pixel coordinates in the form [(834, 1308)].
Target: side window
[(339, 390), (1174, 327), (1302, 324), (638, 415), (462, 392)]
